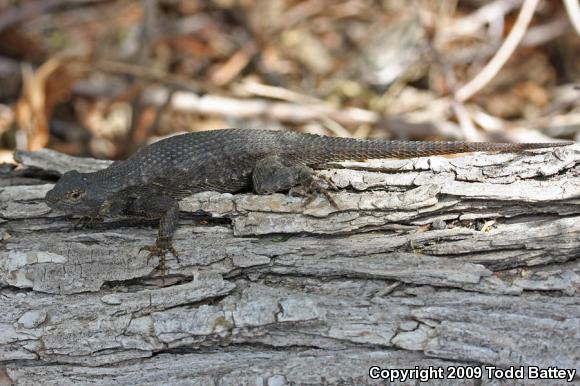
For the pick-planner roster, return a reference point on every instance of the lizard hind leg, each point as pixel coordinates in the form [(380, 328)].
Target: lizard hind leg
[(270, 175)]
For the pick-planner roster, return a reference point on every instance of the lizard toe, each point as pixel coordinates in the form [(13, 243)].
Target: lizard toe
[(313, 187), (159, 249)]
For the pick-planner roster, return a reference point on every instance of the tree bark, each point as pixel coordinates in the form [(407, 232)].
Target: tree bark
[(469, 261)]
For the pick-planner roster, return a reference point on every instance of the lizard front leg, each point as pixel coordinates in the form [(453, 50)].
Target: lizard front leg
[(271, 175), (166, 209)]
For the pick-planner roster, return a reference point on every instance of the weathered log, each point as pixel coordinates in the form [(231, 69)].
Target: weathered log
[(427, 262)]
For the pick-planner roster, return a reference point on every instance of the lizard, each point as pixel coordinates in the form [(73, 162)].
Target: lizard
[(152, 181)]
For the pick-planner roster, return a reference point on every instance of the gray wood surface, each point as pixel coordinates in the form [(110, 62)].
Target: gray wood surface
[(427, 262)]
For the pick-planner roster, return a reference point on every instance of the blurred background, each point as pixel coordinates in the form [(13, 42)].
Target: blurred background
[(102, 78)]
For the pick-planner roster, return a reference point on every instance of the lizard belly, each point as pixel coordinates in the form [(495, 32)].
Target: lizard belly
[(222, 185), (225, 182), (231, 175)]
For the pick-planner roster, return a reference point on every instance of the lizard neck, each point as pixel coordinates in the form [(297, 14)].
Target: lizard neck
[(111, 179)]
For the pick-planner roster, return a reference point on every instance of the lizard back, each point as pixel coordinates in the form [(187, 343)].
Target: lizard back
[(223, 160)]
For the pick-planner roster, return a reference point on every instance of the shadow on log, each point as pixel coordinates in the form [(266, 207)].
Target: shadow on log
[(427, 262)]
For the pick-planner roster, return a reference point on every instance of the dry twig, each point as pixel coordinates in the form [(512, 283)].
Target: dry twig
[(573, 10), (29, 10), (502, 55)]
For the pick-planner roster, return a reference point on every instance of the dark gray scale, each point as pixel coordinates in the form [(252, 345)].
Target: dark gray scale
[(204, 161)]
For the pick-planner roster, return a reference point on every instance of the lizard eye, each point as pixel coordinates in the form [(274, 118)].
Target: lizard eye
[(75, 195)]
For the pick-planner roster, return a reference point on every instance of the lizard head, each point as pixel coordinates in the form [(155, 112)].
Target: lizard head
[(73, 194)]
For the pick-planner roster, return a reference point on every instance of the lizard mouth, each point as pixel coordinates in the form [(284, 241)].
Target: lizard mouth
[(51, 198)]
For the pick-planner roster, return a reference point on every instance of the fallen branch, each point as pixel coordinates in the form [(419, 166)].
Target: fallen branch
[(427, 262)]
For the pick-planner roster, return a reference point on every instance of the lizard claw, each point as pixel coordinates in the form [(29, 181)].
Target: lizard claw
[(160, 248)]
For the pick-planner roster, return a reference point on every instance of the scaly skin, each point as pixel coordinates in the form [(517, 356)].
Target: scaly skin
[(153, 180)]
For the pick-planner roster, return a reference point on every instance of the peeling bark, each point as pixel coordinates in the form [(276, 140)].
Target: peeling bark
[(427, 262)]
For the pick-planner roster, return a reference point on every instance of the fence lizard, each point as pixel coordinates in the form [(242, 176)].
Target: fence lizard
[(152, 181)]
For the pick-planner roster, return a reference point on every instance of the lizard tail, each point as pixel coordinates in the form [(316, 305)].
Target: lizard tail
[(337, 149)]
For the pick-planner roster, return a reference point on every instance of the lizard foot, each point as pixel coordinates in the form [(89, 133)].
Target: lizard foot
[(313, 188), (160, 248), (86, 222)]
